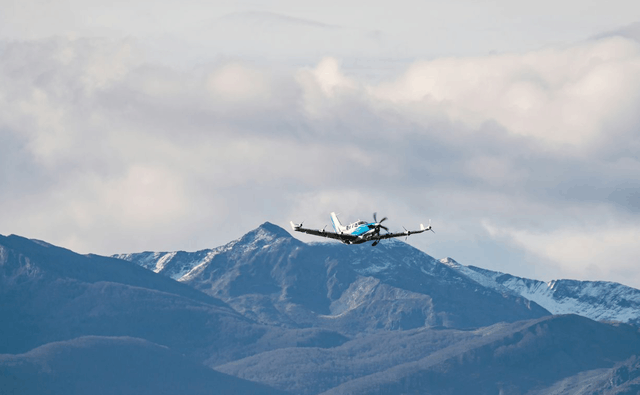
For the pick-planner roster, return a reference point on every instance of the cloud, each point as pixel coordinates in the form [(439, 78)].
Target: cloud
[(106, 151), (237, 82), (592, 252), (325, 88), (631, 31), (560, 96), (47, 86), (272, 18)]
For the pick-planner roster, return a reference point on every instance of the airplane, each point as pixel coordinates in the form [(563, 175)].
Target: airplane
[(360, 231)]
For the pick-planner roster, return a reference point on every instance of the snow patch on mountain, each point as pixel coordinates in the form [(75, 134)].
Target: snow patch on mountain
[(148, 260), (230, 270), (264, 236), (198, 266), (355, 295), (482, 278), (374, 268), (162, 262), (182, 266), (597, 300)]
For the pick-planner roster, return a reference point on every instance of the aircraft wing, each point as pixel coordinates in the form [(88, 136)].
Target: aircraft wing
[(323, 233), (405, 233)]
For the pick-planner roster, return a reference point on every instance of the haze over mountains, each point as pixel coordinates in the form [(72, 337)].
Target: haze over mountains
[(268, 313)]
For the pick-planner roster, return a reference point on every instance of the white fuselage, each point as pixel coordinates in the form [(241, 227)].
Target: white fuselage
[(358, 228)]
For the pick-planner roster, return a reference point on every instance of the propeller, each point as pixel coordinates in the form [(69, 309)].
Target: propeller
[(430, 228), (378, 225)]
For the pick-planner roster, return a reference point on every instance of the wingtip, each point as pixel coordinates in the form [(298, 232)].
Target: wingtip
[(428, 227)]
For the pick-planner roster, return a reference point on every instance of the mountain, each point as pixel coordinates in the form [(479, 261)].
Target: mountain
[(508, 358), (623, 378), (273, 278), (268, 313), (516, 359), (50, 294), (598, 300), (171, 264), (114, 365), (390, 267)]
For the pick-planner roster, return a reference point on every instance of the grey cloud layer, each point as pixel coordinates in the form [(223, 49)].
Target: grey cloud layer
[(104, 151)]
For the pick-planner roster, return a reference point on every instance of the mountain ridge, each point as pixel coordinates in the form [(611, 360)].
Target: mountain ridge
[(274, 278), (49, 294), (598, 300), (306, 318)]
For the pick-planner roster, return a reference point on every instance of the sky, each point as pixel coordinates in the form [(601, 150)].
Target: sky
[(182, 125)]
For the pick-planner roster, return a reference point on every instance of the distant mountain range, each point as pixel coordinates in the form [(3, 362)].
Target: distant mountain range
[(598, 300), (273, 278), (268, 313), (50, 295)]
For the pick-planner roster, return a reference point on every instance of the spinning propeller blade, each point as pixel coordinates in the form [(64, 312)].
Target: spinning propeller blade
[(378, 225)]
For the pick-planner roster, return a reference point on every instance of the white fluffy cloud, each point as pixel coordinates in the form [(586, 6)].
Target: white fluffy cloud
[(587, 253), (325, 88), (106, 151), (561, 96), (236, 82)]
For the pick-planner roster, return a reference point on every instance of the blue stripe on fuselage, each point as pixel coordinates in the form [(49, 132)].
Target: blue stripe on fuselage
[(360, 230)]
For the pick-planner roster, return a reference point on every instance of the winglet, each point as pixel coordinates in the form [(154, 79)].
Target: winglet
[(422, 228), (294, 226)]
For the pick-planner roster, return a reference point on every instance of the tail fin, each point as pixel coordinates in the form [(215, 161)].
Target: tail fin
[(337, 226)]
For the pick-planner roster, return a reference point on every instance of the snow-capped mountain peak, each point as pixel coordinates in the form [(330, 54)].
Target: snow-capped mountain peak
[(263, 236), (268, 258), (598, 300)]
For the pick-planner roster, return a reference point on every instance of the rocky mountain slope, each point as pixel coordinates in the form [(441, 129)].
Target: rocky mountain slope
[(511, 358), (507, 359), (281, 315), (273, 278), (378, 273), (598, 300), (97, 365), (49, 295)]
